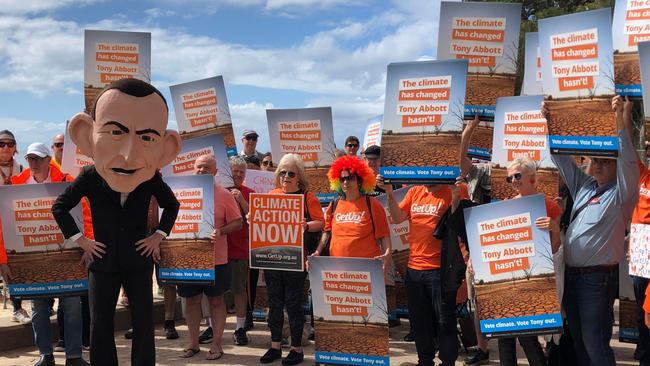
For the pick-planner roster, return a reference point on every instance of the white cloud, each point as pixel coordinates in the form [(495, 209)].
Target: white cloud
[(251, 116), (38, 6)]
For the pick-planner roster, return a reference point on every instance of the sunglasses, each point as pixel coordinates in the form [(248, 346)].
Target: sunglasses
[(34, 158), (349, 178), (267, 163), (251, 138), (516, 176), (284, 173), (9, 144), (58, 144), (352, 145)]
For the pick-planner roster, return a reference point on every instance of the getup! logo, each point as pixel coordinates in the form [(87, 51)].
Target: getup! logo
[(350, 217), (426, 209)]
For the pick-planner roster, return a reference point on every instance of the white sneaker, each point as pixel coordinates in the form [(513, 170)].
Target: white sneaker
[(21, 317)]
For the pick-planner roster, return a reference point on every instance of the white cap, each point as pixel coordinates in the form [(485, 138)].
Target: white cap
[(38, 149)]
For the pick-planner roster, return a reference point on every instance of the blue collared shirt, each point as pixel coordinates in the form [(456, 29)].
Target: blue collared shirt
[(597, 235)]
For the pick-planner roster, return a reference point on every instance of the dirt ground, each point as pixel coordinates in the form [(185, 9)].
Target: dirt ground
[(522, 298), (226, 131), (318, 182), (420, 150), (627, 314), (483, 89), (90, 94), (187, 254), (482, 137), (582, 117), (548, 183), (626, 68), (47, 267), (362, 339)]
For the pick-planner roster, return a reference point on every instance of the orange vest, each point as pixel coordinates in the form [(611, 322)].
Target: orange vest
[(56, 175)]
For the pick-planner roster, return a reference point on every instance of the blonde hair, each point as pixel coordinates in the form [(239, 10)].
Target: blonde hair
[(292, 159), (525, 163)]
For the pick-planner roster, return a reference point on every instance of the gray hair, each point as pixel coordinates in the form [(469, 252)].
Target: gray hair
[(524, 163), (292, 159), (238, 161)]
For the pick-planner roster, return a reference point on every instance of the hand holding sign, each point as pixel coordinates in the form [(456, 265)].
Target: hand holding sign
[(90, 246)]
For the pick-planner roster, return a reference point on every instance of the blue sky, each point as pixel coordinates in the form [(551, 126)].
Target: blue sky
[(271, 53)]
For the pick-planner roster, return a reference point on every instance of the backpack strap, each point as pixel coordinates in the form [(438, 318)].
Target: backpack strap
[(372, 220)]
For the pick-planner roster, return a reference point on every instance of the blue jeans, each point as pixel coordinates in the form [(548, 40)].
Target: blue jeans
[(589, 302), (43, 330), (640, 285), (431, 311)]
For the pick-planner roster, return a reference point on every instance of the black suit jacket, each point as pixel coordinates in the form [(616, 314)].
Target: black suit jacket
[(119, 228)]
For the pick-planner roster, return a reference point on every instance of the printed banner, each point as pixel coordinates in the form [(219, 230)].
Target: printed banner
[(532, 84), (521, 131), (423, 120), (628, 310), (514, 276), (487, 35), (630, 26), (350, 311), (578, 73), (276, 231), (201, 108), (187, 253), (260, 181), (308, 132), (372, 136), (192, 148), (73, 160), (111, 56), (42, 262)]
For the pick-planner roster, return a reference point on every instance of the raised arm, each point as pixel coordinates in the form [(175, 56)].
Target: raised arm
[(465, 162), (627, 171)]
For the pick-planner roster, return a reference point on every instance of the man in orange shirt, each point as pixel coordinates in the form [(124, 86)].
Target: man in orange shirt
[(423, 206)]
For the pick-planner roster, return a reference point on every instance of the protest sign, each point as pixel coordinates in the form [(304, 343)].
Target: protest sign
[(639, 252), (201, 108), (532, 84), (275, 236), (423, 120), (192, 148), (514, 275), (578, 76), (628, 310), (42, 261), (350, 312), (521, 131), (187, 253), (111, 56), (73, 160), (259, 180), (372, 136), (309, 133), (630, 26), (644, 59), (487, 35)]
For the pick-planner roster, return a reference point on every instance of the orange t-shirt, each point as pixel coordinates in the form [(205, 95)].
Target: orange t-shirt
[(641, 214), (312, 202), (553, 210), (424, 210), (351, 227)]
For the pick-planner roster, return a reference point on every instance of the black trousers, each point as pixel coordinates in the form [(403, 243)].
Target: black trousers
[(253, 277), (104, 289), (286, 289)]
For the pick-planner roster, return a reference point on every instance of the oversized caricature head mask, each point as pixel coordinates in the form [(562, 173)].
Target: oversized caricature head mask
[(127, 134)]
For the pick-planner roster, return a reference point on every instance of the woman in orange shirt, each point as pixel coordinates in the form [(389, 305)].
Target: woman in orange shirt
[(356, 224), (286, 288)]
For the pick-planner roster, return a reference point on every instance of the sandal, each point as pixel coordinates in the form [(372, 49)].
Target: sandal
[(188, 352), (214, 355)]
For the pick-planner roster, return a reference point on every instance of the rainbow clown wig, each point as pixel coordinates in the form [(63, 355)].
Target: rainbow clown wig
[(355, 166)]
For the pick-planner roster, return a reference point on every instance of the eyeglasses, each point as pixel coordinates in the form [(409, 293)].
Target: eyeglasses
[(34, 158), (8, 144), (349, 178), (284, 173), (251, 138), (597, 161), (267, 163), (516, 176), (58, 144), (352, 145)]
